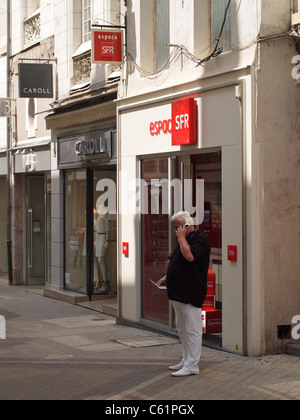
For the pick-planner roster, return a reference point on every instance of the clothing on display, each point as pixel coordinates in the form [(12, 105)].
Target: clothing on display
[(102, 230)]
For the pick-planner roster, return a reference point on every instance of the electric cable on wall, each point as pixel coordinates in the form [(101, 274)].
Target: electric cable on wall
[(217, 50), (180, 51)]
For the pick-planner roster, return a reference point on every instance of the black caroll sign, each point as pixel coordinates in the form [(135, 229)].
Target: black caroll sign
[(35, 80)]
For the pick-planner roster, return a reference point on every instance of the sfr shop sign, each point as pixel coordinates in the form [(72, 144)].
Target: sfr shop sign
[(107, 46), (184, 122), (183, 125)]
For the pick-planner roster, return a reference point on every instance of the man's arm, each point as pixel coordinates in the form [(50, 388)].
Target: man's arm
[(184, 246), (162, 282)]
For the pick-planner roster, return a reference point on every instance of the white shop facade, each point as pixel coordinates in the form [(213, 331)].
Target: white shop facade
[(189, 149)]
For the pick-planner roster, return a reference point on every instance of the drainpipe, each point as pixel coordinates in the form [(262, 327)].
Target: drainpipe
[(8, 151)]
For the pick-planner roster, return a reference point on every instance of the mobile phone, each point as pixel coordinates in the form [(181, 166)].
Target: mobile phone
[(187, 225)]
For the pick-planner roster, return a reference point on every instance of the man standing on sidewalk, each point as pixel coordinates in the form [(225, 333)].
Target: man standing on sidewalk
[(186, 281)]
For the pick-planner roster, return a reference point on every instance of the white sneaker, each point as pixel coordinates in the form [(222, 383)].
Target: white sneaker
[(176, 367), (184, 372)]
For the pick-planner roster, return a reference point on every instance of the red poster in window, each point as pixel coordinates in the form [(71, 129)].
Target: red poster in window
[(107, 46), (184, 122)]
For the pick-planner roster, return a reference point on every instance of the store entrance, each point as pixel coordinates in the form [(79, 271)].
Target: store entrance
[(3, 226), (191, 183), (105, 232), (36, 230)]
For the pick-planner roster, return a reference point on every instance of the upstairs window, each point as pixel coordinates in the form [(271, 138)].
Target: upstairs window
[(86, 20), (218, 13), (162, 32), (32, 28)]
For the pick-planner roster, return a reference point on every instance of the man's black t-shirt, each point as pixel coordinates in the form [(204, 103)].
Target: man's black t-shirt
[(187, 281)]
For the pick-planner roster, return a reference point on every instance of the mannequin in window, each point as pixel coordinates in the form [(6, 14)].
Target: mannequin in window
[(102, 236), (80, 231)]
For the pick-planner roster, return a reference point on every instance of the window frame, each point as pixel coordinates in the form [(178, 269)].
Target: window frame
[(218, 8), (162, 32), (86, 20)]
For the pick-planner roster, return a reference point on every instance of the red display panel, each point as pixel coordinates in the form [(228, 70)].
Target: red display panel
[(232, 253)]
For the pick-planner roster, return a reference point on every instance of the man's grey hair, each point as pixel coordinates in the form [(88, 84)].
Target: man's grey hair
[(183, 217)]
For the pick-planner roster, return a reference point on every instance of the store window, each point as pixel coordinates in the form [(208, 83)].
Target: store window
[(208, 168), (75, 231), (90, 211), (175, 184), (105, 232), (86, 20), (155, 241), (90, 232), (48, 227)]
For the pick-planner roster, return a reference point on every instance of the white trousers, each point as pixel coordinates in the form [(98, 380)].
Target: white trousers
[(188, 320)]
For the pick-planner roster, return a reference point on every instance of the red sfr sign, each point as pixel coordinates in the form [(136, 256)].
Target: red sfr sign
[(107, 46), (184, 122)]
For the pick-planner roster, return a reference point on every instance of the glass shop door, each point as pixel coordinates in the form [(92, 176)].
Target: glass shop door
[(36, 230)]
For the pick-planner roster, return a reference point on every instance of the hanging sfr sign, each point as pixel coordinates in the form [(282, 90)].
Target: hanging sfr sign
[(107, 46)]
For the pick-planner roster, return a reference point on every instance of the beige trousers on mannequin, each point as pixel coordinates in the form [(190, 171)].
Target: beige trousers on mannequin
[(188, 320)]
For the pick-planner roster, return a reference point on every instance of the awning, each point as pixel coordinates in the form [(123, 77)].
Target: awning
[(84, 115)]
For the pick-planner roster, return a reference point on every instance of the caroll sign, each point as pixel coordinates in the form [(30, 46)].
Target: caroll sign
[(183, 124), (35, 80)]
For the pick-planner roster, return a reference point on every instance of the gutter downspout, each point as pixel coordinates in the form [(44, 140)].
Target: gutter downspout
[(8, 151)]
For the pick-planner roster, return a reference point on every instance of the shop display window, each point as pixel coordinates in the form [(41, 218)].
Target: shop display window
[(90, 232), (158, 239), (105, 233), (75, 231), (155, 242)]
